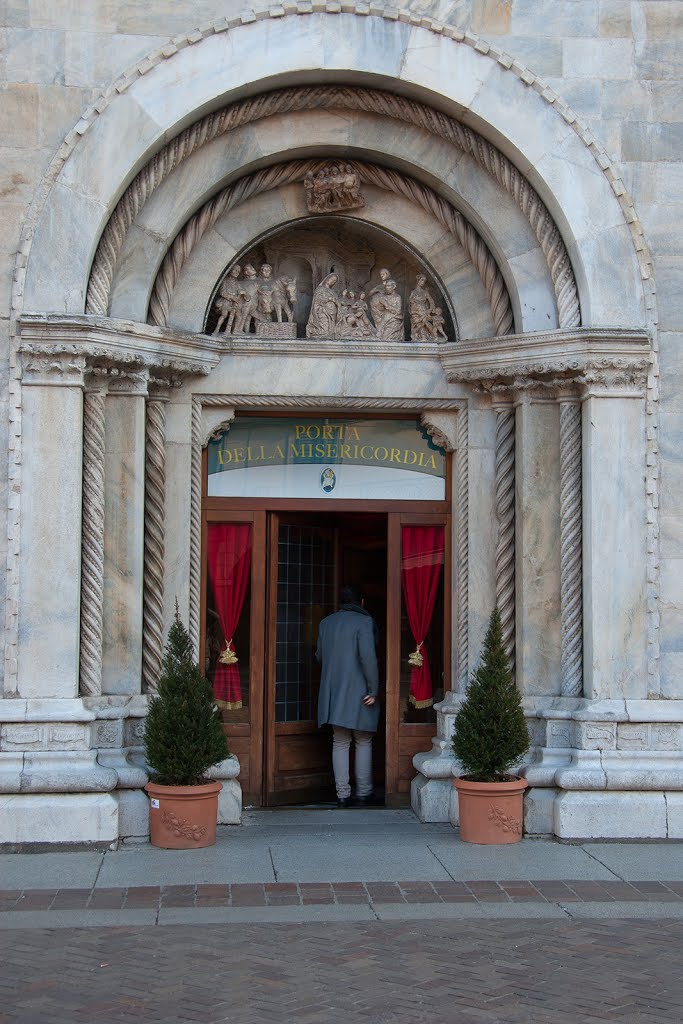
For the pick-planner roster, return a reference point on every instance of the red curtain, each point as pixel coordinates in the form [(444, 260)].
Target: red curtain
[(229, 556), (423, 558)]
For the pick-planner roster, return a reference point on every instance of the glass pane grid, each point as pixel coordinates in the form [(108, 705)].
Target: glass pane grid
[(305, 595)]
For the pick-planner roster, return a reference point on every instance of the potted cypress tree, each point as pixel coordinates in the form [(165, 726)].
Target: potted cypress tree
[(490, 737), (183, 738)]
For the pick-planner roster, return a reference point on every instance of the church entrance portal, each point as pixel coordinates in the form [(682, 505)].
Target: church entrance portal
[(270, 577)]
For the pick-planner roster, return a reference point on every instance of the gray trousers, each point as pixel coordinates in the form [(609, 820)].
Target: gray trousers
[(362, 761)]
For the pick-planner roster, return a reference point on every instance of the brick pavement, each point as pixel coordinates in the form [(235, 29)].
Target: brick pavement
[(465, 972), (274, 894)]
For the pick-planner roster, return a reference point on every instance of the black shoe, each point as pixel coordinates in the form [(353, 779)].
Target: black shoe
[(371, 800), (342, 804)]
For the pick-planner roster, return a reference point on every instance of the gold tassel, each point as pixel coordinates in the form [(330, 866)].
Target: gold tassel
[(415, 659), (228, 657)]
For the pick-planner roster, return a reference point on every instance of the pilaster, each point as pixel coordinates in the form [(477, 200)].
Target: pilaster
[(124, 532), (537, 542), (50, 562), (614, 536)]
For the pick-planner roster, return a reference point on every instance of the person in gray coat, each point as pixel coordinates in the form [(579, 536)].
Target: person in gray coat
[(349, 687)]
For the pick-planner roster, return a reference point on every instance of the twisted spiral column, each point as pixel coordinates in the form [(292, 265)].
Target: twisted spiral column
[(153, 567), (195, 523), (571, 581), (92, 550), (462, 537), (505, 514)]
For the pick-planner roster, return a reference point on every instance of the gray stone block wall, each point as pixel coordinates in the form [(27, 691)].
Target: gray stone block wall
[(618, 64)]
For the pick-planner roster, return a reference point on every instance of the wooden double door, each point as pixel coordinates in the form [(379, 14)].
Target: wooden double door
[(269, 578)]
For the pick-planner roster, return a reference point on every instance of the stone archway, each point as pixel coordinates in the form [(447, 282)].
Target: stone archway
[(520, 389)]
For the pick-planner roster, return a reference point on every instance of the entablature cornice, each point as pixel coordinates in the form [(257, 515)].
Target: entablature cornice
[(117, 346), (551, 360)]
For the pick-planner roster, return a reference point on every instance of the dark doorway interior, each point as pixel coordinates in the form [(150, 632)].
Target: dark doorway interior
[(316, 554)]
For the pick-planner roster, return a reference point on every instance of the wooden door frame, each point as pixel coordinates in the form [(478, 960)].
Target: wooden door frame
[(260, 512), (254, 728)]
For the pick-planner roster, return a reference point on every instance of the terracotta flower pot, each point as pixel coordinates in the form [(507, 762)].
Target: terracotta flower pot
[(183, 817), (491, 812)]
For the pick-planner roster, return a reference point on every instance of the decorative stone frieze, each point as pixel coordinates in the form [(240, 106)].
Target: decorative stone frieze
[(596, 357)]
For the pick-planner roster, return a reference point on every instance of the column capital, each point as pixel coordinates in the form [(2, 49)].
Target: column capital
[(44, 366), (134, 382), (618, 381)]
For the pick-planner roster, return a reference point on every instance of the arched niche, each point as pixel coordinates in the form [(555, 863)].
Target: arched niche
[(309, 249), (437, 250)]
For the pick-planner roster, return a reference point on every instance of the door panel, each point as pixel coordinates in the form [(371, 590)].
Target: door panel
[(303, 584)]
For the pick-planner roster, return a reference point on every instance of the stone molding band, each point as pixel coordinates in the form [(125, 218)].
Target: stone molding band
[(296, 170), (487, 156)]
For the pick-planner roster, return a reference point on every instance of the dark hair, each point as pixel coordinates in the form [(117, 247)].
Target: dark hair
[(351, 594)]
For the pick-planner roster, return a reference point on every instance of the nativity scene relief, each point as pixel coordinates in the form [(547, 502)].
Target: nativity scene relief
[(330, 283)]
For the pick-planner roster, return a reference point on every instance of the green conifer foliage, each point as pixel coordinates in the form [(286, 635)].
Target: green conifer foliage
[(183, 731), (490, 732)]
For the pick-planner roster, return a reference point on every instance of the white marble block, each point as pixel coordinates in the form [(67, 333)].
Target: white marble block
[(622, 815), (59, 818)]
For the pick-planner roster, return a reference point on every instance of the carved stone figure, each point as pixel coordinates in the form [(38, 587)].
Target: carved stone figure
[(376, 293), (353, 320), (388, 313), (266, 302), (426, 318), (249, 312), (230, 300), (334, 187), (325, 307)]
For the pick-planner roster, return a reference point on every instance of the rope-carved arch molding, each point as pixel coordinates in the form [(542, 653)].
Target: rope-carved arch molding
[(328, 97), (295, 170)]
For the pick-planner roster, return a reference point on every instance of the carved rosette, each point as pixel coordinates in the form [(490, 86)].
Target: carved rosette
[(571, 549), (153, 571), (505, 514), (92, 552)]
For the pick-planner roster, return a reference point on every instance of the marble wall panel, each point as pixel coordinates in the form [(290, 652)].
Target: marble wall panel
[(178, 510), (123, 546), (537, 546), (50, 555)]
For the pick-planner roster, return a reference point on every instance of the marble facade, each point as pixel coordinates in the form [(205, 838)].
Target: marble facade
[(536, 176)]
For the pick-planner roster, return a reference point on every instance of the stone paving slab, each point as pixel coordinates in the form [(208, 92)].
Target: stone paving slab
[(639, 860), (559, 971), (26, 870), (532, 858), (328, 859), (233, 858)]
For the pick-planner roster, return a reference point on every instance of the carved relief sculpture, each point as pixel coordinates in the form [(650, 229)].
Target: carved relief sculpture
[(334, 187), (322, 321), (264, 303), (388, 313), (345, 315), (426, 318)]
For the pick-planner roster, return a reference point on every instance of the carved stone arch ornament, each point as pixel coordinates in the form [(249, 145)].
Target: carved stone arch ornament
[(88, 176), (296, 170), (485, 155)]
